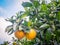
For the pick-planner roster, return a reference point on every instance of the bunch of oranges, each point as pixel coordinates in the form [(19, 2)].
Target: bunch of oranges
[(30, 35)]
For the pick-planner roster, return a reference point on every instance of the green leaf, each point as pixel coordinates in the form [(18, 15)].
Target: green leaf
[(58, 0), (36, 3), (53, 27), (44, 26), (11, 32), (26, 4), (24, 15), (29, 23), (48, 36), (25, 23), (58, 15), (57, 33), (12, 20), (9, 29), (43, 7)]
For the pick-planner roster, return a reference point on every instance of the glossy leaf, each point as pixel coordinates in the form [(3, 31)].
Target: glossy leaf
[(9, 29), (24, 15), (44, 26), (26, 4)]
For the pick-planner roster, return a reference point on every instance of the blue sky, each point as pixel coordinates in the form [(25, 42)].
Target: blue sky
[(4, 6), (7, 9), (10, 7), (5, 3)]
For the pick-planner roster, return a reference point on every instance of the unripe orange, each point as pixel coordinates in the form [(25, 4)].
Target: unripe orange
[(14, 43)]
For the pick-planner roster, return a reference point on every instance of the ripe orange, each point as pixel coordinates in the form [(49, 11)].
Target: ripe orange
[(31, 35), (19, 34)]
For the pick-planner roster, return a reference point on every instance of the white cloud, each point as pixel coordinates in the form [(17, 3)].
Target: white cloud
[(12, 9), (3, 35), (3, 12), (16, 7)]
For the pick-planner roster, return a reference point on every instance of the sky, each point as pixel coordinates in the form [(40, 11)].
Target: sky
[(3, 35), (7, 9), (10, 7)]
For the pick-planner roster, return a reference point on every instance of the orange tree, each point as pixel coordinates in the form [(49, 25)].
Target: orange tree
[(40, 23)]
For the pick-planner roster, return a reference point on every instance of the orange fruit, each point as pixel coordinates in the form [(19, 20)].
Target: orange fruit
[(19, 34), (31, 35)]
